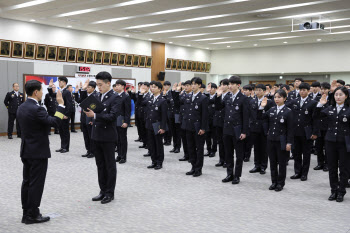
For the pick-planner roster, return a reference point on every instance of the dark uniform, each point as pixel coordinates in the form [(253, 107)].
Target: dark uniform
[(84, 125), (179, 100), (175, 124), (142, 111), (210, 135), (72, 120), (195, 118), (235, 123), (64, 126), (35, 152), (247, 142), (258, 129), (316, 97), (280, 133), (170, 118), (337, 146), (218, 123), (134, 96), (51, 106), (294, 94), (123, 113), (104, 134), (12, 102), (305, 127), (157, 113)]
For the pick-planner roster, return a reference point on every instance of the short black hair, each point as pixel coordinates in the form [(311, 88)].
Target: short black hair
[(268, 85), (203, 85), (151, 83), (196, 80), (105, 76), (188, 82), (146, 84), (92, 84), (326, 85), (69, 85), (248, 87), (120, 82), (64, 79), (316, 84), (347, 85), (158, 84), (224, 82), (235, 80), (276, 85), (261, 86), (341, 82), (300, 79), (252, 85), (213, 85), (167, 83), (14, 84), (286, 86), (281, 92), (31, 86), (114, 85), (140, 83), (291, 84), (304, 86)]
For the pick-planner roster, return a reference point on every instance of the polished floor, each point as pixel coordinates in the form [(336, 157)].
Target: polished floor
[(166, 200)]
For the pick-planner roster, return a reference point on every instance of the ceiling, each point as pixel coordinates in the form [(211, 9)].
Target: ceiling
[(206, 24)]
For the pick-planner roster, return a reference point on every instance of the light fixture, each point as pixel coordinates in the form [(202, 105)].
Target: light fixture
[(228, 46), (281, 77), (189, 45), (227, 42), (170, 42), (207, 39), (26, 4), (280, 38), (207, 48), (167, 31), (255, 44), (285, 42), (191, 35), (100, 31), (127, 35), (32, 20), (319, 39), (69, 26)]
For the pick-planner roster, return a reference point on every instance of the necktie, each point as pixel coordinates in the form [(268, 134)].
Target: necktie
[(338, 109), (101, 97), (193, 97), (301, 103)]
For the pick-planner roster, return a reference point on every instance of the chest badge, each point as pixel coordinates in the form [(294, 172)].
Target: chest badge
[(196, 107), (345, 119), (237, 108), (213, 105), (282, 120), (156, 108), (306, 112)]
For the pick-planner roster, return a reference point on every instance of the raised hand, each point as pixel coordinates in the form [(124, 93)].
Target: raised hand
[(133, 89), (76, 88), (323, 99), (219, 91), (59, 97), (143, 90), (264, 102), (333, 85), (86, 84), (288, 147), (174, 87), (209, 87), (51, 83), (178, 88)]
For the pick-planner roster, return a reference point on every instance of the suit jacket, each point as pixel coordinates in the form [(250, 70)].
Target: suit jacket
[(68, 100), (142, 101), (219, 115), (50, 103), (304, 123), (236, 113), (293, 94), (104, 125), (195, 111), (211, 109), (12, 101), (124, 106), (257, 125), (170, 103), (338, 123), (317, 98), (80, 98), (157, 112), (35, 123)]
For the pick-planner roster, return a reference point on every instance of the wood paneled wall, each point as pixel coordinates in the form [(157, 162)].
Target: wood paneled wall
[(158, 56)]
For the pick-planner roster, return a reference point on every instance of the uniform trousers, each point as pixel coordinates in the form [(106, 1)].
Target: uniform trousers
[(232, 144)]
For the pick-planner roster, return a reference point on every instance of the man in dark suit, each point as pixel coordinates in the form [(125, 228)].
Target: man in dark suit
[(170, 119), (12, 101), (143, 110), (123, 120), (104, 134), (51, 106), (247, 142), (134, 96), (157, 116), (210, 135), (68, 103), (195, 121), (35, 150), (235, 127)]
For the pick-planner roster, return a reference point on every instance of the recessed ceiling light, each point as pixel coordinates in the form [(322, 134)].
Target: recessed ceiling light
[(127, 35), (167, 31), (207, 39), (26, 4), (319, 39), (32, 20), (228, 46), (170, 42), (100, 31), (188, 45), (285, 42), (69, 26), (207, 48), (280, 38), (255, 44), (149, 39), (227, 42)]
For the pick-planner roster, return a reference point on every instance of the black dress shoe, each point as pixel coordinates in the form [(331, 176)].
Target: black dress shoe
[(219, 164), (122, 161), (236, 180), (318, 167), (183, 159), (273, 186), (10, 137), (64, 151), (190, 173), (117, 159), (303, 178), (143, 146), (332, 197), (91, 155), (197, 173), (177, 150), (228, 179), (147, 155), (59, 150), (340, 198), (107, 199), (325, 168), (158, 167), (207, 154), (85, 155), (255, 170), (152, 166), (173, 150), (99, 197), (262, 171), (295, 176), (278, 188), (73, 131), (212, 154), (225, 165), (24, 216), (246, 159), (37, 219)]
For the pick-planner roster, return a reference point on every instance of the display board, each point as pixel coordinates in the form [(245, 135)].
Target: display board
[(45, 80)]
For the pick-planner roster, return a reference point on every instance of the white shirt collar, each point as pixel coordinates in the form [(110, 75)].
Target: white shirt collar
[(280, 107), (303, 99), (262, 98), (234, 95), (34, 100), (195, 94), (16, 92), (340, 106), (212, 96), (224, 94)]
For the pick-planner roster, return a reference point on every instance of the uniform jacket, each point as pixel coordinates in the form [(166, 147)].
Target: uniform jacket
[(142, 101), (50, 103), (124, 106), (170, 102), (258, 125), (157, 112), (35, 123), (68, 100), (219, 115), (195, 112), (211, 109), (317, 98), (12, 102)]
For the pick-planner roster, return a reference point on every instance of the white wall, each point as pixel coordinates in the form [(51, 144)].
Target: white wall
[(187, 53), (318, 57)]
